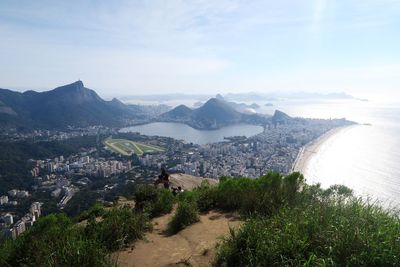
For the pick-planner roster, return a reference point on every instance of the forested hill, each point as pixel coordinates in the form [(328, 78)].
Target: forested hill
[(69, 105), (213, 114)]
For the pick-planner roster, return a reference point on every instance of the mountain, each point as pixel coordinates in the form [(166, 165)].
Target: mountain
[(69, 105), (280, 117), (240, 107), (180, 112), (214, 114)]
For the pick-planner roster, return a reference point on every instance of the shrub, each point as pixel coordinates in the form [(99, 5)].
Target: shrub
[(53, 241), (186, 214), (206, 196), (325, 231), (264, 195), (154, 201), (97, 210), (119, 227)]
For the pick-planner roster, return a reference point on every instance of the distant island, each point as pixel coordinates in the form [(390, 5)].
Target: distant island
[(247, 97)]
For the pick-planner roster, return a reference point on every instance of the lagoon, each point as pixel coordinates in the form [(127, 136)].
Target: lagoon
[(184, 132)]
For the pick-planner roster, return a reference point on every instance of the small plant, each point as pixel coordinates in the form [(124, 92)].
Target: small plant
[(206, 196), (205, 252), (154, 201), (186, 214), (119, 227), (96, 211), (184, 262)]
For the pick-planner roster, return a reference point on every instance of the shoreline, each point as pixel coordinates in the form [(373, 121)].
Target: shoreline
[(307, 151)]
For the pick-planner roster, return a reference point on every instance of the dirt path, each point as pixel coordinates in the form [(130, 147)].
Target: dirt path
[(188, 182), (195, 243)]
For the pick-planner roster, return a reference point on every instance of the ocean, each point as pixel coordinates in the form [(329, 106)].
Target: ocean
[(365, 158)]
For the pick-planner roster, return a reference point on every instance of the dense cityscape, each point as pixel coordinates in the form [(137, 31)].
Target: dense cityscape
[(275, 149)]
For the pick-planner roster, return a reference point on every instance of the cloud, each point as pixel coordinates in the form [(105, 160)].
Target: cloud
[(202, 45)]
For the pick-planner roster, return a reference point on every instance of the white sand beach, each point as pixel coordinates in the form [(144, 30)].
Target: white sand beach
[(310, 149)]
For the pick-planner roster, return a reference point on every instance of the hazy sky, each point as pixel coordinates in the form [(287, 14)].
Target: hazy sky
[(207, 46)]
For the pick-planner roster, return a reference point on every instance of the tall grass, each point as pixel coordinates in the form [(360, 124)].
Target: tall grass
[(53, 241), (316, 228), (264, 195), (153, 201), (56, 241), (186, 214), (118, 227)]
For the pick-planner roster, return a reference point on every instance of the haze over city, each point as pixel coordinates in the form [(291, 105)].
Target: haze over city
[(151, 47)]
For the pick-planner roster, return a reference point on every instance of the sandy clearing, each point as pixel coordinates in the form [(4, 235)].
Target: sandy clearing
[(196, 243)]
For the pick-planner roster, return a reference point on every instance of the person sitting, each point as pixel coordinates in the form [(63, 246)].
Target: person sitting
[(176, 190), (163, 178)]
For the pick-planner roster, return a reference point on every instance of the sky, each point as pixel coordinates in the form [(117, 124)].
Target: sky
[(202, 46)]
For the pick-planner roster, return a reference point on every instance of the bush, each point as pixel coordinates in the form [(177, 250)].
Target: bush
[(154, 201), (97, 210), (206, 196), (264, 195), (53, 241), (328, 230), (186, 214), (119, 227)]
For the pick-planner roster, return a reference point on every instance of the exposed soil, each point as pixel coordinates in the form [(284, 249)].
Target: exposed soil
[(194, 244)]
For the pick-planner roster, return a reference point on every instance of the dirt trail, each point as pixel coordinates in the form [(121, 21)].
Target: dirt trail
[(188, 182), (195, 243)]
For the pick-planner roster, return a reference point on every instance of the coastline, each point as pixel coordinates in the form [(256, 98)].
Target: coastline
[(309, 150)]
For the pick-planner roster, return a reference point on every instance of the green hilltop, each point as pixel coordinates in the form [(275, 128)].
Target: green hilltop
[(286, 223)]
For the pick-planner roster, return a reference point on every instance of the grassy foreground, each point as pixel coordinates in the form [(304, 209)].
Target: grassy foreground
[(290, 223), (287, 223)]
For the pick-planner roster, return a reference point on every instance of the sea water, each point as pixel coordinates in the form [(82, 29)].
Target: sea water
[(365, 158)]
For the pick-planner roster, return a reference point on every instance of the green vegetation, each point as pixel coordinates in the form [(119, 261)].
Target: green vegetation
[(186, 214), (53, 241), (56, 241), (287, 223), (264, 195), (294, 224), (97, 210), (128, 147), (118, 227), (290, 223), (153, 201), (14, 158), (334, 234), (82, 201)]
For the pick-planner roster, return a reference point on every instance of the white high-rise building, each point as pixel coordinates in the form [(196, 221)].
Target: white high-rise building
[(3, 200), (19, 227), (36, 209), (8, 219), (12, 193)]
